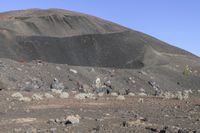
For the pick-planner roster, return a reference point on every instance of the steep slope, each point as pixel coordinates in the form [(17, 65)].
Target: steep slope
[(63, 39), (67, 37)]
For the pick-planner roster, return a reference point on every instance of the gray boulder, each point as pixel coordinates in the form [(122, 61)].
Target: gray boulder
[(57, 85)]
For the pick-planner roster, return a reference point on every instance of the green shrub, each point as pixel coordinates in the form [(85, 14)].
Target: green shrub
[(187, 71)]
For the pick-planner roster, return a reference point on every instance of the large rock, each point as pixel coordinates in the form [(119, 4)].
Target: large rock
[(57, 85)]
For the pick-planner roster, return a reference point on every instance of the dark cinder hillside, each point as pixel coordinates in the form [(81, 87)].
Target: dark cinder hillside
[(63, 37), (66, 37)]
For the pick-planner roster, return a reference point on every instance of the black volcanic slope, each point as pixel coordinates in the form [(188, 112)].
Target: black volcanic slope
[(65, 37)]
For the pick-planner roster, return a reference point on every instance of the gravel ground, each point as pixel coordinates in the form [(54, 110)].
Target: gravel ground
[(102, 114)]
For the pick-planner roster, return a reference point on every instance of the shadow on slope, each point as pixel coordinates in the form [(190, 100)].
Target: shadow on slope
[(118, 50)]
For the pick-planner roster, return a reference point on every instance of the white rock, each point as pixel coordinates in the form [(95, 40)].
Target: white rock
[(107, 114), (64, 95), (98, 82), (114, 94), (82, 96), (143, 72), (179, 95), (74, 119), (167, 95), (58, 68), (25, 99), (198, 91), (19, 69), (185, 96), (142, 90), (48, 96), (131, 94), (100, 94), (37, 97), (142, 94), (73, 71), (56, 91), (109, 82), (120, 97), (132, 80), (141, 100), (188, 91), (17, 95)]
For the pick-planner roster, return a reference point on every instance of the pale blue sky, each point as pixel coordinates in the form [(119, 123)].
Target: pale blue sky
[(174, 21)]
